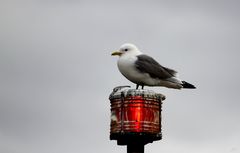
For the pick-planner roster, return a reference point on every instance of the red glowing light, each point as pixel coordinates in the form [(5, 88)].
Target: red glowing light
[(136, 114)]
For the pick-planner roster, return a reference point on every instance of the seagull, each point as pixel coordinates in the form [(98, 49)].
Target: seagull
[(143, 70)]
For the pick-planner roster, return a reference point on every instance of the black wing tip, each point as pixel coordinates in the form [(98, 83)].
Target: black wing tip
[(188, 85)]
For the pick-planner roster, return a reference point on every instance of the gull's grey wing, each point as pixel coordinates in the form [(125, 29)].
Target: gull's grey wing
[(147, 64)]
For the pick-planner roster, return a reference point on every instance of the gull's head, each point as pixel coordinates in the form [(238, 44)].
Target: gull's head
[(127, 49)]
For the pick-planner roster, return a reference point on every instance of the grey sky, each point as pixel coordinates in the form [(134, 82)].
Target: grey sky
[(57, 72)]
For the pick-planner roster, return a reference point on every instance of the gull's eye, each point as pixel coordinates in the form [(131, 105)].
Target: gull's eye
[(126, 50)]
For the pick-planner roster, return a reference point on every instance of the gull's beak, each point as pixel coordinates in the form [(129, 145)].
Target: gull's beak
[(116, 53)]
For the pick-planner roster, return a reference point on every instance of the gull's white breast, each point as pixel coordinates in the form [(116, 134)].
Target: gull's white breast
[(126, 65)]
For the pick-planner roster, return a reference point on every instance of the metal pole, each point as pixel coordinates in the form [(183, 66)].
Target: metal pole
[(135, 148)]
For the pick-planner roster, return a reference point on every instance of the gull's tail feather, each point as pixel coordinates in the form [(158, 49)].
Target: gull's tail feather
[(188, 85)]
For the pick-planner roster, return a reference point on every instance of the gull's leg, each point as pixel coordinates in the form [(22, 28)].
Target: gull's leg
[(142, 86), (137, 85)]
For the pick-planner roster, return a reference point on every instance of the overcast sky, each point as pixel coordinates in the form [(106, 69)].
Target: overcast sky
[(56, 72)]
